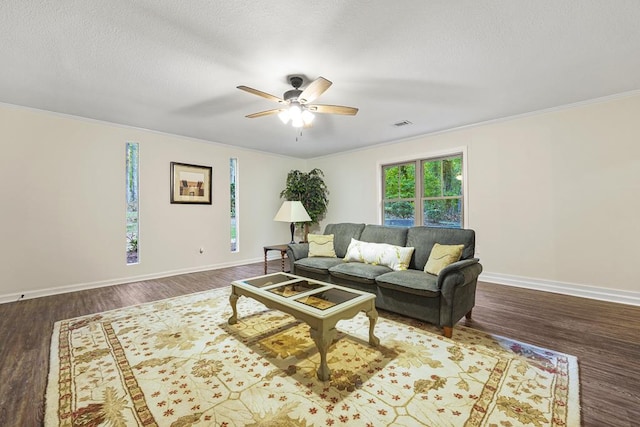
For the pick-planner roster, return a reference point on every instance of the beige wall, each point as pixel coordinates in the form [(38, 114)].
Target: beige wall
[(62, 214), (553, 197)]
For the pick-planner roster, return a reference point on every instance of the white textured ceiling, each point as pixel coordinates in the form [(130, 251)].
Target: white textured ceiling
[(173, 66)]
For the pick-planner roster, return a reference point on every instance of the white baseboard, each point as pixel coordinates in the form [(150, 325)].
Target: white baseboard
[(119, 281), (573, 289), (584, 291)]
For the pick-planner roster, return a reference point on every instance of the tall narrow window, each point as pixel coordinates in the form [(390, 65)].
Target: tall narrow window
[(233, 191), (132, 203), (424, 192)]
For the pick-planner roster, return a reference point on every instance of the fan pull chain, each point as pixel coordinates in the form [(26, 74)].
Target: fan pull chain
[(299, 136)]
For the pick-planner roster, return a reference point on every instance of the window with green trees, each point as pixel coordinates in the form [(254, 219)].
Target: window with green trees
[(132, 180), (399, 194), (424, 192), (233, 191)]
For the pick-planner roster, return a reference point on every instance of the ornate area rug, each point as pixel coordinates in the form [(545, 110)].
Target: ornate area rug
[(178, 363)]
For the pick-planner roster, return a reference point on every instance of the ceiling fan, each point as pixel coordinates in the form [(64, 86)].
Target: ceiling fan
[(296, 103)]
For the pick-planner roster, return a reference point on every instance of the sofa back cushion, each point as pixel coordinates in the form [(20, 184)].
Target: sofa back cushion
[(396, 236), (423, 239), (342, 234)]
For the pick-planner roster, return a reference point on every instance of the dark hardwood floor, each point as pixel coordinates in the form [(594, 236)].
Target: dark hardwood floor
[(604, 336)]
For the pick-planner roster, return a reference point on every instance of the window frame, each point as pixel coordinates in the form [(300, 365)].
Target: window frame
[(419, 197)]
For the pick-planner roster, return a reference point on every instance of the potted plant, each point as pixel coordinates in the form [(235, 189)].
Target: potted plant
[(309, 188)]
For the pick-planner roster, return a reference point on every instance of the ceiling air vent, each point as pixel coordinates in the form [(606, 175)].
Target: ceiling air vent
[(402, 123)]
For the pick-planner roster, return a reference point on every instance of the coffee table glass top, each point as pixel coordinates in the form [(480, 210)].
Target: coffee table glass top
[(327, 298), (300, 293), (296, 288), (264, 281)]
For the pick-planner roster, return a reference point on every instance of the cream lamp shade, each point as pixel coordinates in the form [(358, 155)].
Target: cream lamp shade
[(292, 212)]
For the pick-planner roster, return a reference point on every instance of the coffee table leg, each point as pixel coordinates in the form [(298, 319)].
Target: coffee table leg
[(323, 341), (373, 318), (233, 298)]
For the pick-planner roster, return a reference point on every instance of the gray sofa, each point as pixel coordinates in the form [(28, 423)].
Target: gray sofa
[(442, 300)]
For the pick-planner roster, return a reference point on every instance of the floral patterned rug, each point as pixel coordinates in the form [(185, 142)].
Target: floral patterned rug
[(178, 363)]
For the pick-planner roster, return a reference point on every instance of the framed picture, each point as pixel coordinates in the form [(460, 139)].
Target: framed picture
[(190, 184)]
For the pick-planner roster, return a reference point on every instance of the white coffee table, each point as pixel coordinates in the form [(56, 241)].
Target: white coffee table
[(320, 305)]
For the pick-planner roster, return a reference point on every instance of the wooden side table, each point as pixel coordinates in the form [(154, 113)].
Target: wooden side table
[(283, 252)]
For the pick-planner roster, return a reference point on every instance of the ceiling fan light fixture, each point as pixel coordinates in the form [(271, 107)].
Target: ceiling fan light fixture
[(284, 116), (307, 117), (295, 111), (297, 114)]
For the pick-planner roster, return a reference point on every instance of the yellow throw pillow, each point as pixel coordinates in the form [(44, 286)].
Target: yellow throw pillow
[(441, 256), (321, 245)]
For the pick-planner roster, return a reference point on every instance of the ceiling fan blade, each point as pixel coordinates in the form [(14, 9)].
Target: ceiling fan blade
[(261, 93), (314, 90), (264, 113), (333, 109)]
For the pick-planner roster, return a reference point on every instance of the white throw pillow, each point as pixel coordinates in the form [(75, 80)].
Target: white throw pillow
[(321, 245), (394, 257)]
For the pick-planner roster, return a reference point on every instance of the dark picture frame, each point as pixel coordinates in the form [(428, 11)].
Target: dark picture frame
[(190, 184)]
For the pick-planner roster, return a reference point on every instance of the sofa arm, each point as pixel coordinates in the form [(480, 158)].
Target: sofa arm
[(459, 273), (296, 251), (457, 283)]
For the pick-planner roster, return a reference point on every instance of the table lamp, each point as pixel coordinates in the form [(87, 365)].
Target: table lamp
[(292, 211)]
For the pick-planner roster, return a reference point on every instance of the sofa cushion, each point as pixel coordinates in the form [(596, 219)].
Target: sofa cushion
[(441, 256), (423, 239), (395, 257), (319, 265), (359, 272), (321, 245), (342, 235), (411, 281), (380, 234)]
